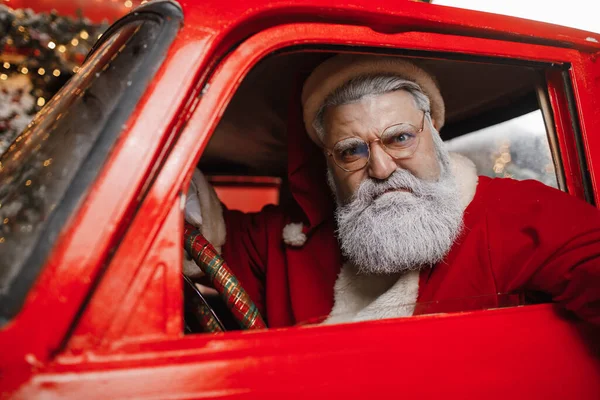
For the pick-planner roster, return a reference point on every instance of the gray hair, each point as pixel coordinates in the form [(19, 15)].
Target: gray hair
[(369, 85)]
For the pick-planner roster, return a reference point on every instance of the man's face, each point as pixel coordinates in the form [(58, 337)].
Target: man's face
[(366, 120), (393, 215)]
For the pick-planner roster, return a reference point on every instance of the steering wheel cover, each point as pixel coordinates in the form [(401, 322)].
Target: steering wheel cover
[(223, 280)]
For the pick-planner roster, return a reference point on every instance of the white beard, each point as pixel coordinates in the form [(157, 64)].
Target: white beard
[(385, 233)]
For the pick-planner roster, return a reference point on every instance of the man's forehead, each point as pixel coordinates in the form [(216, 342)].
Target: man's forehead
[(372, 110)]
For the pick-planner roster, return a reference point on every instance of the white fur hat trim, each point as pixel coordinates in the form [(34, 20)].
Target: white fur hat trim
[(339, 69), (293, 235)]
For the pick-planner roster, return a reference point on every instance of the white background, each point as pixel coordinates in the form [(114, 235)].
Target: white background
[(582, 14)]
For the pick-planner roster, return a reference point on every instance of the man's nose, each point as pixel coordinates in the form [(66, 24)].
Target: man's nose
[(381, 164)]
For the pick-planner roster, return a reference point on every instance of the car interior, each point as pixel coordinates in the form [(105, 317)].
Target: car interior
[(497, 114)]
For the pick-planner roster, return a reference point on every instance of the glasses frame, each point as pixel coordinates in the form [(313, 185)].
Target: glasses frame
[(378, 139)]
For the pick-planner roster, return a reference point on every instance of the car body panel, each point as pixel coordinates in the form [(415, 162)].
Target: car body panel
[(520, 352)]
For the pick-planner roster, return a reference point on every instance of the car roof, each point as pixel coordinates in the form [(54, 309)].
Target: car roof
[(383, 15)]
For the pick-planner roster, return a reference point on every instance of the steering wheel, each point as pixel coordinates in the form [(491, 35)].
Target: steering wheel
[(230, 290)]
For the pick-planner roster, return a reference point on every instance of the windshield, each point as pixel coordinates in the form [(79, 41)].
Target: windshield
[(46, 170)]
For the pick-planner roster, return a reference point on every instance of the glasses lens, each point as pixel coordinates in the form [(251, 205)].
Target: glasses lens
[(400, 140), (351, 154)]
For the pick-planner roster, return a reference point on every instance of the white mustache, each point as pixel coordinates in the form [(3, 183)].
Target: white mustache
[(371, 189)]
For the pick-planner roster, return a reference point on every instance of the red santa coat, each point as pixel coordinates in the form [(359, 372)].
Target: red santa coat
[(519, 237)]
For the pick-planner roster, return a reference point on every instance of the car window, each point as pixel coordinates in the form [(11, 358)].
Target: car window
[(517, 148), (490, 121), (46, 170)]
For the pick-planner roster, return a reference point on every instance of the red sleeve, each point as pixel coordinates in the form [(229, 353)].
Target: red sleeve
[(246, 248), (542, 239)]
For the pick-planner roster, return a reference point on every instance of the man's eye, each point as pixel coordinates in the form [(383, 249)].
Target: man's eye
[(352, 152), (399, 139)]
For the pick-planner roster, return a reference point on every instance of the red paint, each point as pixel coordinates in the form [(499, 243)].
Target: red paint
[(511, 353), (566, 141), (246, 193), (123, 239), (585, 75)]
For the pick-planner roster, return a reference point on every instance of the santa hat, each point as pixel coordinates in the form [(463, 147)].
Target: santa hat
[(338, 70)]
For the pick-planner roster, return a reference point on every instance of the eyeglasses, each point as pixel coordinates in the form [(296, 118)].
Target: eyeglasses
[(400, 141)]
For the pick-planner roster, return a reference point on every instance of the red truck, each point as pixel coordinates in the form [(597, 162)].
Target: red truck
[(92, 196)]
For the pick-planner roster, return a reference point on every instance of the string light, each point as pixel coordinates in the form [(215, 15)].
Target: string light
[(128, 4), (36, 38), (28, 182), (47, 162), (503, 159)]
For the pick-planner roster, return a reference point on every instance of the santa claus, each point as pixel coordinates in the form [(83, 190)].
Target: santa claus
[(410, 228)]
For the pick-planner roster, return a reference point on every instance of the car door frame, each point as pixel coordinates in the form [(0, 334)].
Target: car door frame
[(262, 362)]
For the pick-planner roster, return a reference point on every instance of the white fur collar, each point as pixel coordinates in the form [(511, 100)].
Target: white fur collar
[(365, 297), (465, 174)]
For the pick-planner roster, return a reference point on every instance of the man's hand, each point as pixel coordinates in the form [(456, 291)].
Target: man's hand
[(203, 210), (193, 209)]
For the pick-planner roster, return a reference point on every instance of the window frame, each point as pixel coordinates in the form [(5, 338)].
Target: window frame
[(173, 180)]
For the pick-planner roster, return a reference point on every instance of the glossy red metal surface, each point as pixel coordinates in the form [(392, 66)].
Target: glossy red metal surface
[(512, 353), (131, 220), (585, 75), (246, 193), (566, 140)]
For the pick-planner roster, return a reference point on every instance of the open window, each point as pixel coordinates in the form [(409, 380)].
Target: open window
[(497, 114)]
